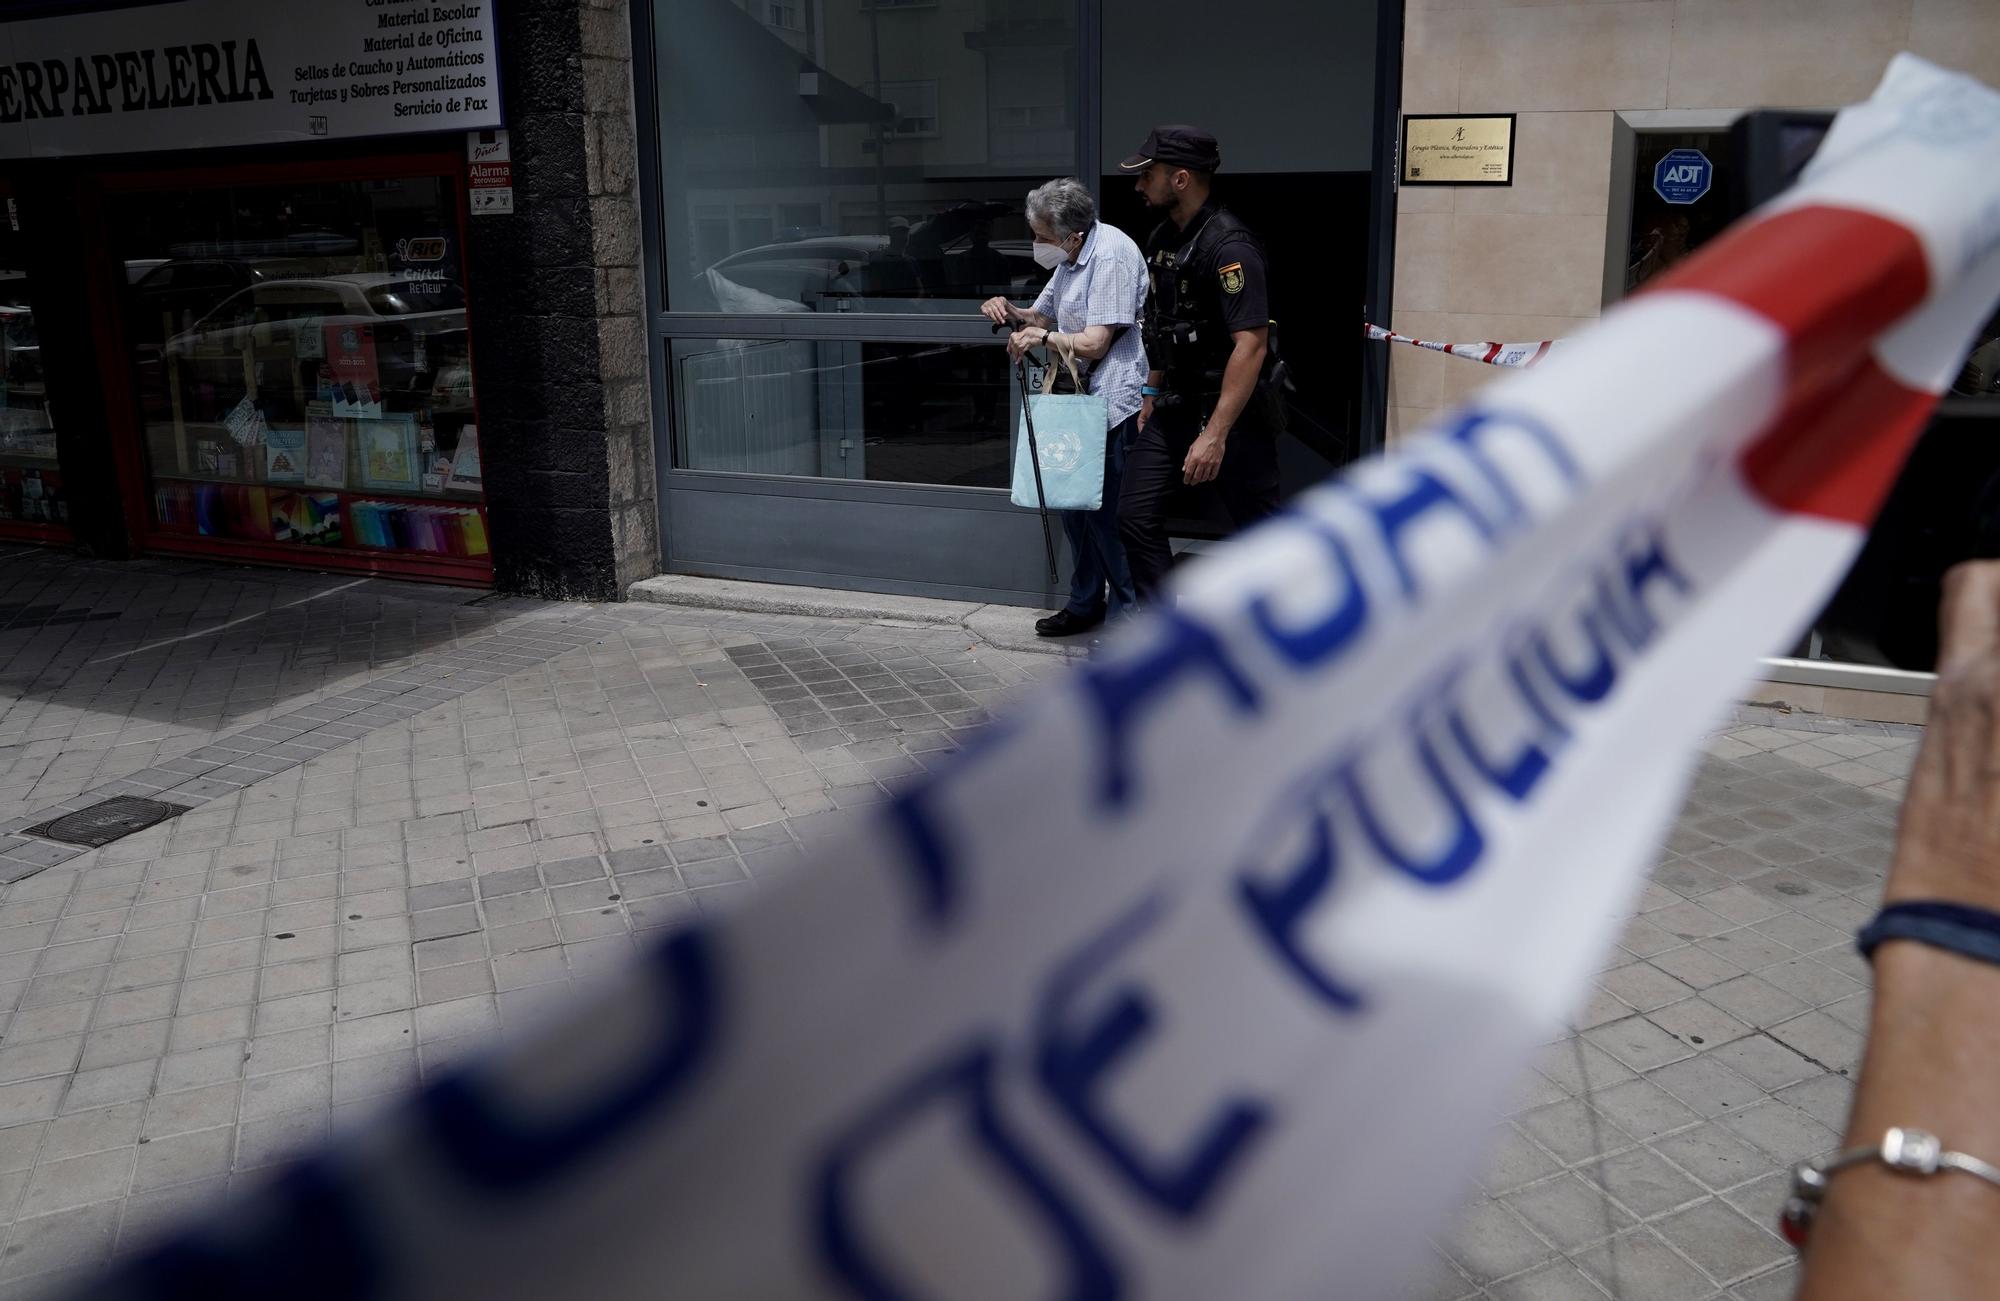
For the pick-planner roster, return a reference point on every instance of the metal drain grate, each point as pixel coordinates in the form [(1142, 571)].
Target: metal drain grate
[(106, 821)]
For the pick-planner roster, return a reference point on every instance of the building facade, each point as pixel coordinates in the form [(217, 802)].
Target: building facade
[(724, 325), (353, 286), (723, 321), (1603, 93)]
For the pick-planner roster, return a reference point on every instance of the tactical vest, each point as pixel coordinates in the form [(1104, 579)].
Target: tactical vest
[(1185, 333)]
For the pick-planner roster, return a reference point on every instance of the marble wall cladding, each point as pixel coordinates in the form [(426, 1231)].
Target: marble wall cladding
[(1526, 261), (1962, 34), (1736, 54)]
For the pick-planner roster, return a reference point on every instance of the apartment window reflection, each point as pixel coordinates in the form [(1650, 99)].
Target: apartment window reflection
[(871, 159), (914, 105)]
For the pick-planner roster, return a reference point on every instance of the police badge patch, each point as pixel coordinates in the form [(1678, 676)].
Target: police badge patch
[(1232, 278)]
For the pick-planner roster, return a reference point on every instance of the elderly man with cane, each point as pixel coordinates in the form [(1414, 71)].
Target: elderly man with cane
[(1091, 304)]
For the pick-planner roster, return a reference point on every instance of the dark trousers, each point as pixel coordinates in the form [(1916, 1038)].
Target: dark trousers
[(1247, 486), (1093, 540)]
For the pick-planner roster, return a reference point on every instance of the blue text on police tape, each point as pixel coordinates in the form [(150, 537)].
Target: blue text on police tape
[(1543, 672)]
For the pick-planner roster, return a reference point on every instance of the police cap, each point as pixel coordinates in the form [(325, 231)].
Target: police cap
[(1176, 146)]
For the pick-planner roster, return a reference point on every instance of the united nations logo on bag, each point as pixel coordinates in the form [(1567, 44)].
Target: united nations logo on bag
[(1062, 451), (1068, 442)]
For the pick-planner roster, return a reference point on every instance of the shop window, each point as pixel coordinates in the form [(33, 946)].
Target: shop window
[(33, 502), (302, 369), (880, 119), (884, 412)]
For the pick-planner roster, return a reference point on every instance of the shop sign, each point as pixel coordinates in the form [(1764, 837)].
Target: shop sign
[(489, 171), (1683, 176), (1455, 150), (208, 73)]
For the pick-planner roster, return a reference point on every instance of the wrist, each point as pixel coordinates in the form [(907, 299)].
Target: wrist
[(1941, 857), (1929, 1022), (1930, 1037), (1922, 975)]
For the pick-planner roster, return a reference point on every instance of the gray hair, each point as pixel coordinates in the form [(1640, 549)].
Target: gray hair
[(1064, 206)]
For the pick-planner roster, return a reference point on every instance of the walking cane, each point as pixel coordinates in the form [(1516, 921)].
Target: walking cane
[(1035, 459)]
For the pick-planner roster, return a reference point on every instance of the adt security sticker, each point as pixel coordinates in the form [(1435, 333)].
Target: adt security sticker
[(1683, 176)]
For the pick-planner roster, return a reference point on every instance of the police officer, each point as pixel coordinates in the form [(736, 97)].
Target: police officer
[(1211, 413)]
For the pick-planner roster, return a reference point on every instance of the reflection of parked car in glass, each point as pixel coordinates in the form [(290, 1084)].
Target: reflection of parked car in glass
[(1980, 376), (25, 431), (451, 391), (799, 274), (168, 298), (419, 323), (950, 255), (20, 355), (20, 343), (178, 292)]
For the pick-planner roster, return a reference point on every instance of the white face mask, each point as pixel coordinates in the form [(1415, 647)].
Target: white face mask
[(1049, 256)]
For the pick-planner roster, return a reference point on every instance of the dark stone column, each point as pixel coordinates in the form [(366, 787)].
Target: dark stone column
[(65, 321), (558, 316)]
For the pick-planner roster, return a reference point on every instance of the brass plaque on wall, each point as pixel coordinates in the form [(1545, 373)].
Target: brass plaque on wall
[(1440, 149)]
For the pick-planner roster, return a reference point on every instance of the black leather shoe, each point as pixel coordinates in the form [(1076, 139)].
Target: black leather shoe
[(1064, 624)]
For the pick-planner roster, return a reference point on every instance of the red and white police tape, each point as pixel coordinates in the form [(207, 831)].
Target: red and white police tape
[(1205, 970), (1493, 354)]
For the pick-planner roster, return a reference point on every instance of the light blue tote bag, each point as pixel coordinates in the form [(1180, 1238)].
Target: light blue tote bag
[(1069, 433)]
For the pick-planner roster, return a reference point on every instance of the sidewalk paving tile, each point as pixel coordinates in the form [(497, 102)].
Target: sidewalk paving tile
[(421, 815)]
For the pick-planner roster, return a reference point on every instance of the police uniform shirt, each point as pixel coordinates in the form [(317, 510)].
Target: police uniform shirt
[(1232, 285), (1240, 283)]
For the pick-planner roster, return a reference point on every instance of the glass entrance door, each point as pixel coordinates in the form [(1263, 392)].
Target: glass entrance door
[(839, 187), (831, 188)]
